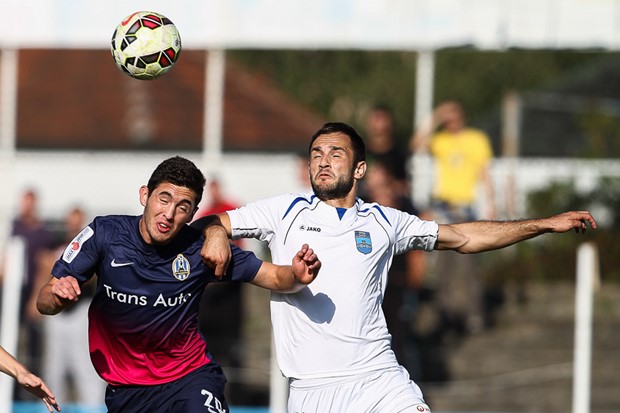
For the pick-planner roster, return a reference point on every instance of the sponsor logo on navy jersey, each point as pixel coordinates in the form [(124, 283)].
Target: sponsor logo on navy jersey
[(117, 264), (76, 245), (363, 242), (180, 268)]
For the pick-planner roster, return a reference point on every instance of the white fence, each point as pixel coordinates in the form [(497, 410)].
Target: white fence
[(514, 178), (108, 182)]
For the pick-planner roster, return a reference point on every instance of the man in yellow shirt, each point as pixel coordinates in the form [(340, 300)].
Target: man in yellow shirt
[(462, 157)]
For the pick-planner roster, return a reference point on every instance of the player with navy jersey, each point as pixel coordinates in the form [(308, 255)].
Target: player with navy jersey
[(143, 320), (331, 337)]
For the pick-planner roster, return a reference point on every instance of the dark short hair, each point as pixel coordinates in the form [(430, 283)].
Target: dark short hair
[(181, 172), (359, 147)]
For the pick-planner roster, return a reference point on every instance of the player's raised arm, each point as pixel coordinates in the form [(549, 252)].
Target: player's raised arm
[(215, 250), (29, 381), (58, 294), (479, 236), (289, 278)]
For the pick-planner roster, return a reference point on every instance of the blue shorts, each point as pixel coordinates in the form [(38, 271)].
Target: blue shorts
[(202, 390)]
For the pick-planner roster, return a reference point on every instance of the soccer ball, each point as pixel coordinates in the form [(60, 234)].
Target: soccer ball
[(146, 45)]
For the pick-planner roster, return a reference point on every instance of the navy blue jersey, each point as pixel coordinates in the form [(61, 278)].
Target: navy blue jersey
[(143, 319)]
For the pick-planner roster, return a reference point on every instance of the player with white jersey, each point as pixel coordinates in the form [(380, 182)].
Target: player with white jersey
[(331, 337), (359, 243), (143, 320)]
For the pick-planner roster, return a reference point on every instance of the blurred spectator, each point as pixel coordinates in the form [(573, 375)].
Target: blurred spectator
[(383, 146), (66, 359), (37, 239), (462, 158), (216, 202), (405, 275)]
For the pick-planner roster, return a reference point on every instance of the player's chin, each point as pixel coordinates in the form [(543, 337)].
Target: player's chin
[(323, 185), (162, 240), (163, 235)]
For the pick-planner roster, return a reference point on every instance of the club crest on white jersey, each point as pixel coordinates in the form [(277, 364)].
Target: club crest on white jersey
[(180, 267), (363, 242), (76, 245)]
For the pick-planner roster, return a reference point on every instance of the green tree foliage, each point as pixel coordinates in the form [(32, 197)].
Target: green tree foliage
[(604, 135), (341, 85)]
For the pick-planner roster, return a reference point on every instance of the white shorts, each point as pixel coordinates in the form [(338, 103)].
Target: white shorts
[(388, 391)]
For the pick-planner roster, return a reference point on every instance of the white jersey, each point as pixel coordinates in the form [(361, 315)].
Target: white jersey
[(335, 326)]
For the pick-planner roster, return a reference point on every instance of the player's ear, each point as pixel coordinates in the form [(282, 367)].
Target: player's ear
[(360, 170), (144, 195)]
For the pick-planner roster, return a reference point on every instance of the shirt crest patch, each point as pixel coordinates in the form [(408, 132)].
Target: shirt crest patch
[(363, 242), (180, 268)]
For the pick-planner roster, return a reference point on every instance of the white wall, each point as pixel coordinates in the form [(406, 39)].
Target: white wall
[(108, 182)]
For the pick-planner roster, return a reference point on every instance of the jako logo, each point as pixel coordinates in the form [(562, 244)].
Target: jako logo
[(305, 228)]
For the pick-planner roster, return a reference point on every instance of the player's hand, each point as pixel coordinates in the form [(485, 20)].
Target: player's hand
[(215, 251), (36, 386), (577, 220), (66, 288), (306, 265), (441, 113)]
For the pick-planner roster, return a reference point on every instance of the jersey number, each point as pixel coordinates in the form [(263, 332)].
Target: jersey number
[(212, 403)]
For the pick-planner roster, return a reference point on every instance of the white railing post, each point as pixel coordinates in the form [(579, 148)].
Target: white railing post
[(14, 268), (587, 273), (278, 385)]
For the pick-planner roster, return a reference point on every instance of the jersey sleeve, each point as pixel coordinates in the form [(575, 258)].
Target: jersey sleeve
[(413, 233), (244, 265), (80, 257), (257, 219)]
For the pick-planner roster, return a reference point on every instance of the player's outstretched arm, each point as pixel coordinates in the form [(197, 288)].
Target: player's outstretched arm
[(29, 381), (479, 236), (58, 294), (289, 278), (215, 251)]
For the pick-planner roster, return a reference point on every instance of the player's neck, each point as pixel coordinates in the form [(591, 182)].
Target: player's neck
[(346, 202)]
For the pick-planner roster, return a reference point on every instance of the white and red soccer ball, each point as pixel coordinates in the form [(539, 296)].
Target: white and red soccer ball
[(146, 45)]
